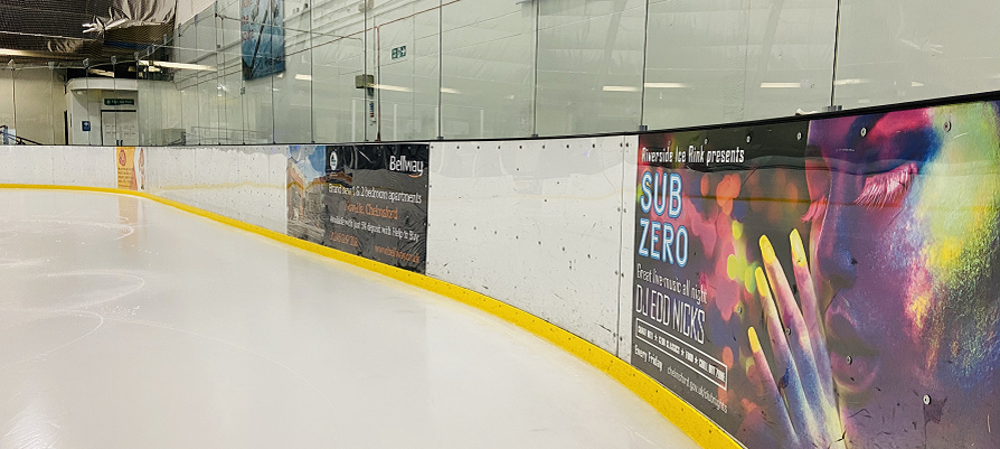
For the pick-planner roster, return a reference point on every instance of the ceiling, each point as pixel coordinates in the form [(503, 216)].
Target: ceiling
[(64, 31)]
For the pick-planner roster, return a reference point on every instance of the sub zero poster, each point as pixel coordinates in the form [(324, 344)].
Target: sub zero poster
[(262, 30), (826, 283), (367, 200)]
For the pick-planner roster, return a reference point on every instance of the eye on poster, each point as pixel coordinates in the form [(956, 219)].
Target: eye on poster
[(262, 38), (829, 282), (366, 200)]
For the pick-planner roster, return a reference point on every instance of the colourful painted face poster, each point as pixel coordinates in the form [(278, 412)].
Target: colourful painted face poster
[(829, 282), (262, 29), (131, 167), (368, 200)]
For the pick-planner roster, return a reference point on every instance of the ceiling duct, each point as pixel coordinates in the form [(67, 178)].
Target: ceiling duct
[(132, 13), (72, 29)]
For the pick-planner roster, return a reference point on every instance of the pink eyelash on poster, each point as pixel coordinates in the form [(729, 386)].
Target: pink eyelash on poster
[(816, 210), (887, 189)]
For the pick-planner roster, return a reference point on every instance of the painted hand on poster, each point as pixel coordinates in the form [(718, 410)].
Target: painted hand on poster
[(876, 324), (895, 339), (803, 404)]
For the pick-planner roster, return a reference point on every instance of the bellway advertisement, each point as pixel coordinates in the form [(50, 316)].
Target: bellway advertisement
[(828, 282), (367, 200)]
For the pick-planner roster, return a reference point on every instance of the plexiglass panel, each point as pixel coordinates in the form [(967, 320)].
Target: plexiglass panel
[(893, 51), (695, 62), (338, 57), (427, 72), (469, 69), (489, 57), (230, 74), (589, 66), (789, 57), (733, 60), (209, 91), (293, 88), (406, 38), (39, 105), (7, 106)]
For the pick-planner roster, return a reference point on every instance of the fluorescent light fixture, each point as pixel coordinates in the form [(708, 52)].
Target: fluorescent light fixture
[(620, 89), (667, 85), (178, 65), (303, 77), (448, 90), (100, 72), (116, 24), (850, 81), (916, 84), (780, 85), (12, 52), (391, 88)]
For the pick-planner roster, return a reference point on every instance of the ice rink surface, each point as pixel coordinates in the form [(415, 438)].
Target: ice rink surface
[(128, 324)]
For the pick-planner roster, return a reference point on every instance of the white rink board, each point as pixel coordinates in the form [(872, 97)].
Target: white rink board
[(58, 165), (130, 324), (536, 224), (542, 225), (627, 248), (245, 183)]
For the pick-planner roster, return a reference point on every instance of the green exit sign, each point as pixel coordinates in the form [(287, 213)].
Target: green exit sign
[(119, 102), (399, 52)]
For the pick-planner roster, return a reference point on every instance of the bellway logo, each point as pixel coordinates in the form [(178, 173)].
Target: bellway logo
[(413, 168), (334, 161)]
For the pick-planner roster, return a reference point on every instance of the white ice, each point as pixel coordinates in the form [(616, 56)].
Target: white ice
[(128, 324)]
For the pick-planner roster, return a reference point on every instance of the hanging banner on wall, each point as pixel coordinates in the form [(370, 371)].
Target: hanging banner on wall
[(262, 38), (826, 283), (131, 168), (367, 200)]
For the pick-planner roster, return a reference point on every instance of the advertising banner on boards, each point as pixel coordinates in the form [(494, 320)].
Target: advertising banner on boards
[(367, 200), (829, 282), (131, 167)]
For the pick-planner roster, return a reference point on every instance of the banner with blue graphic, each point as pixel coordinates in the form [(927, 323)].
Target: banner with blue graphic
[(262, 38)]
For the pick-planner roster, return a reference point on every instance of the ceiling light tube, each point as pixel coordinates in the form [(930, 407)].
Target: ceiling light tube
[(178, 65), (780, 85)]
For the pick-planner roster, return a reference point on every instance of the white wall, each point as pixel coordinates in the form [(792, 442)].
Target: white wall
[(84, 105), (87, 105), (31, 103)]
